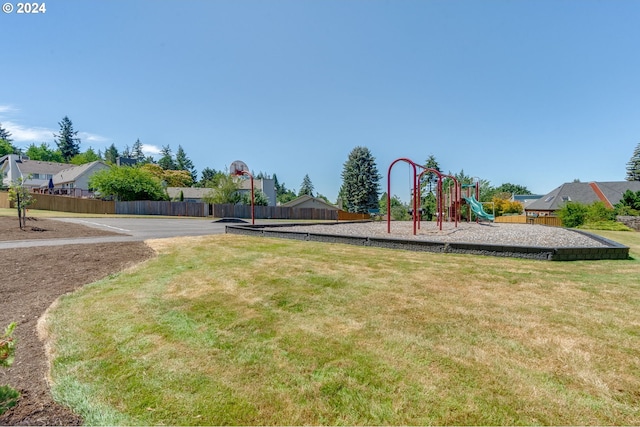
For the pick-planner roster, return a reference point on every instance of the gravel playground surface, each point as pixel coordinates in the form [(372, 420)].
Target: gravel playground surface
[(465, 232)]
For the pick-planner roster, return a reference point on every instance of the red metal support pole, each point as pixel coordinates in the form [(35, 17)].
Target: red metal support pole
[(413, 165)]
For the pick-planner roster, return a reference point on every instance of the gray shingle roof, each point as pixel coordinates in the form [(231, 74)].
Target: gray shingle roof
[(36, 166), (583, 192), (72, 173)]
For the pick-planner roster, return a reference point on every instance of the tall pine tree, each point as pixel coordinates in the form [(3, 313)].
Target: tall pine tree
[(136, 151), (67, 140), (360, 189), (184, 163), (111, 154), (166, 161), (5, 134), (306, 188), (633, 166)]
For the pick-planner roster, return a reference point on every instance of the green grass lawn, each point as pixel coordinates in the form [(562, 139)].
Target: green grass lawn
[(241, 330)]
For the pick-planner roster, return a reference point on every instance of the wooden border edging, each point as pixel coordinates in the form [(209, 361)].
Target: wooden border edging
[(613, 250)]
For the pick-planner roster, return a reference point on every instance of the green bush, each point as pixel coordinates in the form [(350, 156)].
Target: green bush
[(630, 199), (573, 214), (598, 211)]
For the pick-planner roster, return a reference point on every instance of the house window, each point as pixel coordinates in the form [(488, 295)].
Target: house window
[(566, 198), (548, 199)]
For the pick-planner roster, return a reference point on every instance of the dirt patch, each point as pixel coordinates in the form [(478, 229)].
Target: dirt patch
[(42, 228), (32, 278)]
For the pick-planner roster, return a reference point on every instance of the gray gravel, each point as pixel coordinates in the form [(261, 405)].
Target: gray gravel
[(495, 233)]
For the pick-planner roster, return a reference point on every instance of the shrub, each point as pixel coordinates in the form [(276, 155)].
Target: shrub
[(605, 225), (8, 396), (598, 211), (573, 214)]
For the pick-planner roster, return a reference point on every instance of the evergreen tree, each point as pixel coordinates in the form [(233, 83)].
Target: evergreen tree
[(430, 179), (209, 177), (111, 154), (184, 163), (307, 187), (136, 151), (5, 134), (67, 140), (360, 181), (633, 166), (166, 161)]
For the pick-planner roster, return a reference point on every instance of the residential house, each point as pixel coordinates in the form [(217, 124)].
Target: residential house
[(192, 194), (70, 180), (307, 201), (189, 194), (34, 173), (266, 185), (583, 192), (525, 199)]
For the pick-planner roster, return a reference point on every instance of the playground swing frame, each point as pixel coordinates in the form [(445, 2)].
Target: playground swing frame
[(417, 198)]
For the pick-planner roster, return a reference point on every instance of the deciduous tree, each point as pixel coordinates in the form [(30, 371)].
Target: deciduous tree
[(7, 148), (127, 183), (86, 157), (44, 153), (22, 199), (225, 191)]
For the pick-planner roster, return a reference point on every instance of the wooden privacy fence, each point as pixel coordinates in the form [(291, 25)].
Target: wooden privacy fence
[(192, 209), (147, 207), (553, 221), (272, 212), (4, 200), (49, 202)]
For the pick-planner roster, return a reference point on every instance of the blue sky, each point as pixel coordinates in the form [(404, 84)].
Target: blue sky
[(530, 92)]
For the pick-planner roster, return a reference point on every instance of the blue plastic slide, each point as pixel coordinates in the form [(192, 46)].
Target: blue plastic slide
[(477, 208)]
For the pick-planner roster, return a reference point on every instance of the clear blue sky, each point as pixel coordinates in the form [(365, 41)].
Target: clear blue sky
[(530, 92)]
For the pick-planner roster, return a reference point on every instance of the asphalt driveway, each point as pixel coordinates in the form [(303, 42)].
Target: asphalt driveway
[(131, 229)]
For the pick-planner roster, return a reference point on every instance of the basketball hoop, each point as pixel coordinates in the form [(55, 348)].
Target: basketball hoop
[(238, 167)]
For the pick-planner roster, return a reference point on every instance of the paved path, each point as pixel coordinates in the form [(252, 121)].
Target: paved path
[(132, 229)]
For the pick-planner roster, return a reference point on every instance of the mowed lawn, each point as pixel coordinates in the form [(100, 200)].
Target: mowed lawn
[(239, 330)]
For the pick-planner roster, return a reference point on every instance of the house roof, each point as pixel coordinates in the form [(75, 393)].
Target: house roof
[(36, 166), (304, 198), (526, 199), (72, 173), (584, 192), (188, 192)]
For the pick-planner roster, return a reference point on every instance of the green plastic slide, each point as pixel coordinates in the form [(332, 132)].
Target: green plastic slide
[(477, 208)]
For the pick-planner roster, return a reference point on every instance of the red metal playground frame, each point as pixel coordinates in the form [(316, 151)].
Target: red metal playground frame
[(453, 205)]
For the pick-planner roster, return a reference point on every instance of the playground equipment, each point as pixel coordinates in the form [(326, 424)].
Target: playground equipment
[(472, 201), (477, 209), (453, 203)]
